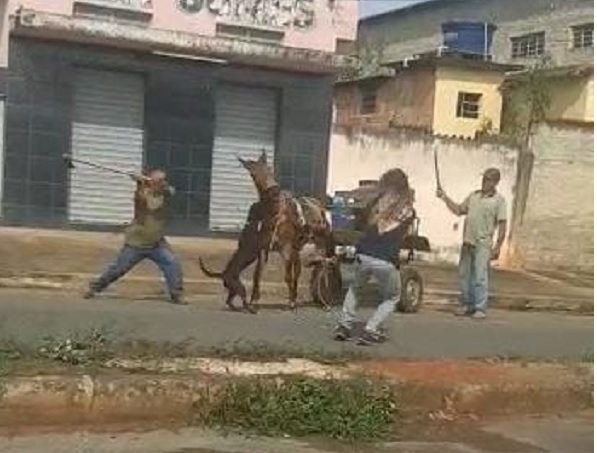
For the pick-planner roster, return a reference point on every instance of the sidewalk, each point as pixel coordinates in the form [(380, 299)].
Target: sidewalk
[(68, 259)]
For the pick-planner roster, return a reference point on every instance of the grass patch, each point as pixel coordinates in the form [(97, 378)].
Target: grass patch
[(588, 356), (10, 353), (81, 348), (92, 348), (356, 410)]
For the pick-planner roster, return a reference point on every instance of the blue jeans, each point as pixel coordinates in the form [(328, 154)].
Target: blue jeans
[(129, 257), (473, 272), (388, 278)]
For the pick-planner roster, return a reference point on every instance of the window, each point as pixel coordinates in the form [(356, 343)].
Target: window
[(528, 46), (368, 100), (469, 105), (257, 34), (582, 36)]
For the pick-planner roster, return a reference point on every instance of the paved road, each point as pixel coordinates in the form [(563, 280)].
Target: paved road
[(520, 436), (28, 316)]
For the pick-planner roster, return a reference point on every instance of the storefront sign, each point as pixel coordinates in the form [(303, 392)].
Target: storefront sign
[(299, 14)]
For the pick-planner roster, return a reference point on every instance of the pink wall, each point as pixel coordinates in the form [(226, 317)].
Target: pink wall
[(333, 19)]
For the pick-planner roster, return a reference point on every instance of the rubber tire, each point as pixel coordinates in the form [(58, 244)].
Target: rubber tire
[(410, 276), (332, 293)]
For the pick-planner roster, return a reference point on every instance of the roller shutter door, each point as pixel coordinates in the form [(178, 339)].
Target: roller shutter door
[(245, 125)]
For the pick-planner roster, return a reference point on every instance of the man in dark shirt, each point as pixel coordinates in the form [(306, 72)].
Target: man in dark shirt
[(377, 254), (144, 238)]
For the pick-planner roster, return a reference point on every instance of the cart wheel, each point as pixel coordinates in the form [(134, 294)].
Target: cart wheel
[(326, 285), (411, 295)]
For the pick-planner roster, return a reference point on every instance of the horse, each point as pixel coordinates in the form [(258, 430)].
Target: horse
[(277, 221)]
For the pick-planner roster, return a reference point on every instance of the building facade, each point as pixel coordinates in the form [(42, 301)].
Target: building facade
[(560, 31), (182, 85), (447, 95)]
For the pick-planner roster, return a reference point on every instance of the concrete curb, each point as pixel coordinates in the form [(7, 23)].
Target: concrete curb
[(137, 288), (480, 389)]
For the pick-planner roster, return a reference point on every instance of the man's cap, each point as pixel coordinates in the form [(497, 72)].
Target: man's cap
[(492, 172)]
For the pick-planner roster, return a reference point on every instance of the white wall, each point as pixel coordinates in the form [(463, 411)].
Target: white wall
[(461, 163)]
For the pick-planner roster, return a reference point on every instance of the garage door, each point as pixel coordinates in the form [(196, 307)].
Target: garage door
[(245, 125), (107, 129)]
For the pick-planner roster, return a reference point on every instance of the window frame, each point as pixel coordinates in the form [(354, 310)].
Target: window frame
[(370, 92), (462, 103), (530, 45), (583, 29)]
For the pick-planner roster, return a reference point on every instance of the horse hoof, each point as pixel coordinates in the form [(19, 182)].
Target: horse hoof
[(250, 309)]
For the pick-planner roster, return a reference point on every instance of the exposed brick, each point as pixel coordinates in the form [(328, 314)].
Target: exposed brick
[(557, 229)]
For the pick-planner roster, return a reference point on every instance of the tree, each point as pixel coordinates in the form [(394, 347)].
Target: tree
[(370, 56), (527, 99)]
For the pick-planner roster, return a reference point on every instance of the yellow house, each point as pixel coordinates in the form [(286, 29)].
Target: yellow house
[(463, 98), (571, 94)]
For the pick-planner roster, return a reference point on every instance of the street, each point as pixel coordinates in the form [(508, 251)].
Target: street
[(28, 316), (550, 435)]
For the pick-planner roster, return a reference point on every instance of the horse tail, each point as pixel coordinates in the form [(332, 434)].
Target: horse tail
[(207, 272)]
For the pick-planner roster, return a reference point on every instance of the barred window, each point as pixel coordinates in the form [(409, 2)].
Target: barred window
[(528, 46), (368, 100), (582, 36), (469, 105)]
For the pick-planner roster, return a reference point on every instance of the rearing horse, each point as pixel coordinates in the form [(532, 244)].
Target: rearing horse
[(282, 223)]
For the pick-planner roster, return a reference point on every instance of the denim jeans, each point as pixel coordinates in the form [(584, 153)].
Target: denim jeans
[(473, 272), (389, 280), (129, 257)]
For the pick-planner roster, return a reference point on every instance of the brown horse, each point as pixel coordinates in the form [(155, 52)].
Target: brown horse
[(280, 222)]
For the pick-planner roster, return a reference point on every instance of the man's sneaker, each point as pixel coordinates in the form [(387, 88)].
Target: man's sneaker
[(341, 333), (479, 315), (369, 337), (178, 299), (464, 311), (89, 294)]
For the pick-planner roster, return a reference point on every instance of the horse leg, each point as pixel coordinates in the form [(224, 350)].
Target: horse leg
[(286, 254), (236, 288), (256, 290), (296, 274), (229, 300), (292, 271)]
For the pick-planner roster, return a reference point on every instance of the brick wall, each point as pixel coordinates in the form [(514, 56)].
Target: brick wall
[(419, 31), (557, 227), (405, 100)]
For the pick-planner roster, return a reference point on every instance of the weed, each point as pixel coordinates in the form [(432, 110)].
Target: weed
[(10, 352), (587, 356), (79, 349), (355, 409)]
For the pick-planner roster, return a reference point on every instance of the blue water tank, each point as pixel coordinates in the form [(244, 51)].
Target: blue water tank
[(473, 38)]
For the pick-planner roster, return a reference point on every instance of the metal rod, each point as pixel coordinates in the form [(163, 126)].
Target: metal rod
[(69, 158)]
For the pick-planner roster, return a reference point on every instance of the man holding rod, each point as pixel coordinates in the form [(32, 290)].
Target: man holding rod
[(144, 238), (485, 210)]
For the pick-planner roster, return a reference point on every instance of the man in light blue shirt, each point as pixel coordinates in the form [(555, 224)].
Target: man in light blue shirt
[(485, 211)]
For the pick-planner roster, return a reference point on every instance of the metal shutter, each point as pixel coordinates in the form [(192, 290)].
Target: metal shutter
[(107, 129), (245, 125)]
